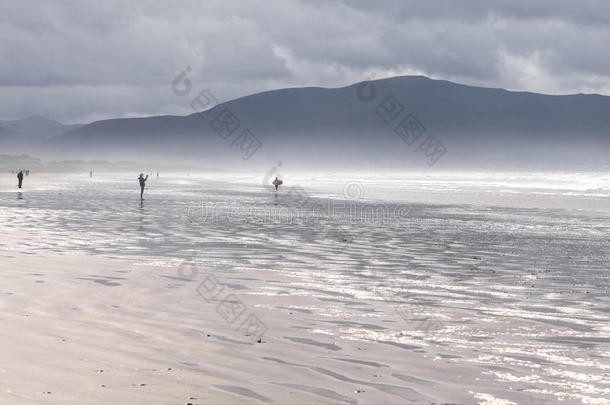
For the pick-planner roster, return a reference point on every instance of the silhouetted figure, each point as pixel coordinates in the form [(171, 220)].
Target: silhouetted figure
[(142, 181), (277, 182), (157, 174), (90, 173), (27, 172), (20, 177)]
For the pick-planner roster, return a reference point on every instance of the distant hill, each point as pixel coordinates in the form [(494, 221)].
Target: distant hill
[(10, 138), (347, 127), (37, 126), (6, 133)]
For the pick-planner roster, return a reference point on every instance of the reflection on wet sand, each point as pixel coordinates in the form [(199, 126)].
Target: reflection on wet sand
[(515, 298)]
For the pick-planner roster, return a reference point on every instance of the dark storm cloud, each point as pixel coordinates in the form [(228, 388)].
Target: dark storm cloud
[(84, 60)]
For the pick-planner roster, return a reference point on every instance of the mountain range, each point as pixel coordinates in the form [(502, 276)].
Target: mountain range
[(25, 131), (407, 121)]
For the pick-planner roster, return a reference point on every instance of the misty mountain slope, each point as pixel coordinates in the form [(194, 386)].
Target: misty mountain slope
[(442, 105), (7, 135), (38, 126), (11, 140), (346, 125), (5, 132)]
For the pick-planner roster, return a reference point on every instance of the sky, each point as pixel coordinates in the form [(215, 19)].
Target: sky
[(80, 61)]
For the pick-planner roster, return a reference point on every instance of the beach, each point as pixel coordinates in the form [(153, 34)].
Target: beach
[(406, 288)]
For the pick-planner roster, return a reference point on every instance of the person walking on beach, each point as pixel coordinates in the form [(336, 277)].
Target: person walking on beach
[(142, 181), (20, 178), (277, 182)]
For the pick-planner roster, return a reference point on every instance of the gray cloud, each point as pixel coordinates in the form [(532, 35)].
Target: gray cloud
[(83, 60)]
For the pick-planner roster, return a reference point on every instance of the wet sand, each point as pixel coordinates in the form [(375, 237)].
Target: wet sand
[(105, 299)]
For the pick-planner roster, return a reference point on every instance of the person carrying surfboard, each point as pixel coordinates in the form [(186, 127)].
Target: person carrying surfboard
[(277, 182), (142, 181)]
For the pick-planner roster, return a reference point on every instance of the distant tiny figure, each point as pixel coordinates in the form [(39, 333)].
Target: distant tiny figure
[(157, 174), (277, 182), (27, 172), (142, 181), (90, 173), (20, 177)]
